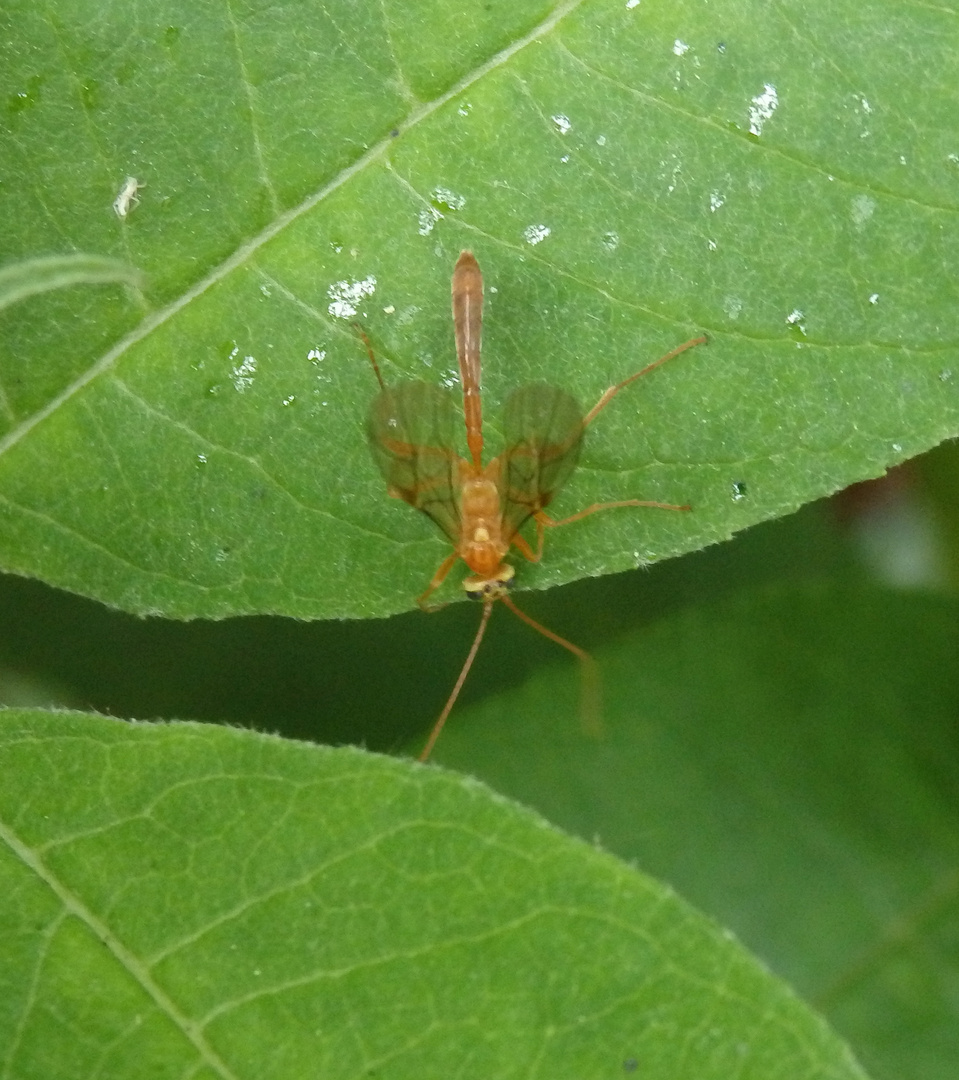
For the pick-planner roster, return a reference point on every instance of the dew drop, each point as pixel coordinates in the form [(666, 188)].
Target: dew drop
[(242, 374), (862, 209), (795, 322), (347, 295), (445, 199), (427, 219), (761, 108), (732, 305), (536, 234)]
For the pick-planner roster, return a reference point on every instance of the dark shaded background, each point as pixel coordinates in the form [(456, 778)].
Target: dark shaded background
[(379, 683)]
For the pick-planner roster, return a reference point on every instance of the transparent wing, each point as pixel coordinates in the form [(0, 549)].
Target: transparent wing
[(410, 431), (544, 429)]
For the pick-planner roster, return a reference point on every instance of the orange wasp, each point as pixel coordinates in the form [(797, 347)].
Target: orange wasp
[(481, 508)]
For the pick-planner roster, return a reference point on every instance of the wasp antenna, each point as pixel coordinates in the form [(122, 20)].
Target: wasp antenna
[(464, 671)]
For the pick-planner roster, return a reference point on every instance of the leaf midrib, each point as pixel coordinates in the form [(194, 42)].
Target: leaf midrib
[(245, 251)]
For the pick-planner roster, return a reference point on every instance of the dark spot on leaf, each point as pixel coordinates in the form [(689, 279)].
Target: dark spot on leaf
[(26, 98), (90, 94)]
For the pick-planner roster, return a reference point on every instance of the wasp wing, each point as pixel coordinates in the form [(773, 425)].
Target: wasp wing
[(410, 432), (544, 429)]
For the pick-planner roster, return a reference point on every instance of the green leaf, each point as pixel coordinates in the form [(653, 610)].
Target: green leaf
[(628, 175), (786, 759), (233, 905), (35, 276)]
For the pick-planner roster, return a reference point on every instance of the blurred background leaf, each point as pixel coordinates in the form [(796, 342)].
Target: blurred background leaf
[(788, 759)]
